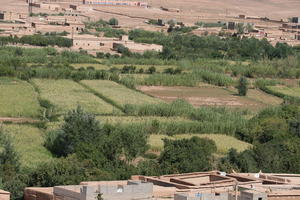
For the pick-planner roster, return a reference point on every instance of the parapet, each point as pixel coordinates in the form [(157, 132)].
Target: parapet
[(137, 190)]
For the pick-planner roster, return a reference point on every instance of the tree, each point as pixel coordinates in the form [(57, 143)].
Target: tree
[(66, 171), (242, 86), (151, 70), (9, 159), (79, 127), (244, 161), (240, 28), (113, 22), (187, 155), (11, 178)]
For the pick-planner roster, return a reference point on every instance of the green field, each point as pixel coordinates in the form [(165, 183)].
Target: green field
[(263, 97), (132, 119), (67, 95), (28, 142), (159, 68), (223, 142), (290, 91), (18, 99), (119, 93)]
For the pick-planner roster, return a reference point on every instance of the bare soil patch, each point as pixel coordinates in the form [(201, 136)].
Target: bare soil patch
[(202, 96)]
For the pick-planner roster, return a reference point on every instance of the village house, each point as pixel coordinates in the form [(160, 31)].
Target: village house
[(213, 185)]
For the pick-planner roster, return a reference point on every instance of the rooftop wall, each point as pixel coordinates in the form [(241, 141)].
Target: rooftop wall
[(134, 190)]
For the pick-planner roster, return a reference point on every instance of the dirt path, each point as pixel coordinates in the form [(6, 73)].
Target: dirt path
[(121, 14), (18, 120)]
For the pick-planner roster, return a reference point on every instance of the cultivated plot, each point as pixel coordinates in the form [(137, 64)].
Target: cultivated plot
[(209, 96), (119, 93), (132, 119), (223, 142), (263, 97), (290, 91), (18, 99), (28, 142), (67, 95), (138, 68)]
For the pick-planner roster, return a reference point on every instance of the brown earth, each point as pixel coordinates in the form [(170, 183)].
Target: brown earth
[(202, 96)]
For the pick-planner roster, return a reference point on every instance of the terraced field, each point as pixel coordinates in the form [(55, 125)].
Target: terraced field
[(263, 97), (132, 119), (223, 142), (201, 96), (67, 95), (159, 68), (119, 93), (28, 142), (290, 91), (18, 99)]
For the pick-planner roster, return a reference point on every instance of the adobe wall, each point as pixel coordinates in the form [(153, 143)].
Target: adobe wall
[(12, 16), (4, 195), (50, 28), (133, 190), (91, 44), (199, 196), (38, 194)]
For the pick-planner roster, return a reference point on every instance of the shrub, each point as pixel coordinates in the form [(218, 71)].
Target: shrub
[(242, 86), (113, 21)]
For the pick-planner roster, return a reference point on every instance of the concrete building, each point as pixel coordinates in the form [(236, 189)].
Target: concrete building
[(201, 196), (114, 190), (213, 185), (90, 42), (253, 195), (108, 45), (12, 16), (53, 7)]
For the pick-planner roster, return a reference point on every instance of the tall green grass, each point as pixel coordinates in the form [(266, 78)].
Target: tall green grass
[(184, 79), (202, 120)]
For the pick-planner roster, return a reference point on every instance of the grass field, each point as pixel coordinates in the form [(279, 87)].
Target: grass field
[(18, 99), (263, 97), (119, 93), (67, 95), (132, 119), (28, 142), (223, 142), (290, 91)]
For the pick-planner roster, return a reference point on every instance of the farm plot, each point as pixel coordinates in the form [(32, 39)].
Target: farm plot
[(118, 93), (202, 96), (223, 142), (290, 91), (67, 95), (132, 119), (91, 65), (28, 142), (18, 99), (138, 68)]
